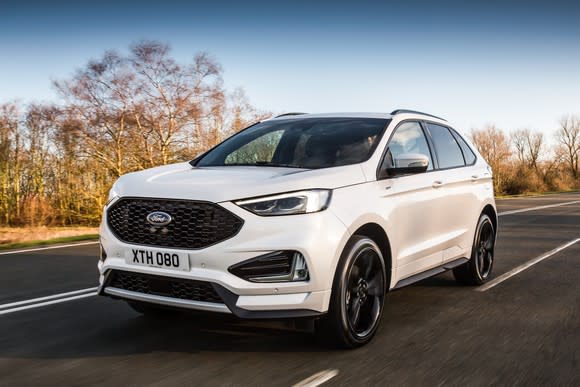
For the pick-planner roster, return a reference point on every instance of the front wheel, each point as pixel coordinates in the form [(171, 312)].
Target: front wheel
[(477, 270), (358, 294)]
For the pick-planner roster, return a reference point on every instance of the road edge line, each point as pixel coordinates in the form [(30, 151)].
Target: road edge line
[(525, 266), (537, 208), (39, 305), (47, 248), (46, 298), (317, 379)]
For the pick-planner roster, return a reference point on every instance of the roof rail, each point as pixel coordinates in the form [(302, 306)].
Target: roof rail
[(401, 111), (289, 114)]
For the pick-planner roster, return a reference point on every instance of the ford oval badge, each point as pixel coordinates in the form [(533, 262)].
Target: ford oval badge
[(159, 218)]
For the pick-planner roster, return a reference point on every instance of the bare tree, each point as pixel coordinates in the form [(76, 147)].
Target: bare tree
[(101, 94), (518, 139), (242, 112), (528, 145), (568, 136), (494, 146), (120, 113), (173, 96), (10, 163), (39, 122)]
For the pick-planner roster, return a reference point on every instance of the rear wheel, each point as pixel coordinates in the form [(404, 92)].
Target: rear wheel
[(477, 270), (358, 295)]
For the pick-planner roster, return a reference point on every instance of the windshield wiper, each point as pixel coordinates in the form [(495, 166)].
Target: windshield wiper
[(258, 164)]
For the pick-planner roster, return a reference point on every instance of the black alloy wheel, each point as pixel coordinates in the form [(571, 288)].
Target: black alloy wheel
[(358, 295), (478, 269), (484, 252), (365, 292)]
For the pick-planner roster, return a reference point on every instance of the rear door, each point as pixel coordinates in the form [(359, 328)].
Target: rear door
[(456, 180)]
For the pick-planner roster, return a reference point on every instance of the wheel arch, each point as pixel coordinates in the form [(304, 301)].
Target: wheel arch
[(375, 232), (489, 210)]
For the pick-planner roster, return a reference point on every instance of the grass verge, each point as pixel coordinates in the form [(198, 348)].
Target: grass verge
[(47, 242), (534, 194)]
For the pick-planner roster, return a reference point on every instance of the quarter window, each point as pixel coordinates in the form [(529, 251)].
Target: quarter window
[(467, 152), (449, 154)]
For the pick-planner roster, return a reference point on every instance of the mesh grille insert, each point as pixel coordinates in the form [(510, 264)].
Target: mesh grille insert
[(164, 286), (194, 224)]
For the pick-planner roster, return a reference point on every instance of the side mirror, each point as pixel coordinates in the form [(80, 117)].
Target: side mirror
[(406, 164)]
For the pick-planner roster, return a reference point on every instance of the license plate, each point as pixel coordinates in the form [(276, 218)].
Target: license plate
[(156, 258)]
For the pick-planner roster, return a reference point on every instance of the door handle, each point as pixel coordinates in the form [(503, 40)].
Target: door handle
[(474, 178), (437, 184)]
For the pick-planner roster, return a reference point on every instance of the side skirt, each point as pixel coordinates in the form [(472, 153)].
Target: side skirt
[(430, 273)]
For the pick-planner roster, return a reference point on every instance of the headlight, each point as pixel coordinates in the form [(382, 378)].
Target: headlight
[(300, 202)]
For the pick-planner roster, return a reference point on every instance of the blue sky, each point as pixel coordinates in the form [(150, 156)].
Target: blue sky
[(515, 64)]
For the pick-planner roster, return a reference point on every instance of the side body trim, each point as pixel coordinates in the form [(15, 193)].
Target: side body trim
[(430, 273)]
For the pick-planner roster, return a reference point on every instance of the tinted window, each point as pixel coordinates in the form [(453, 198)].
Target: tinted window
[(300, 143), (467, 152), (408, 138), (448, 152)]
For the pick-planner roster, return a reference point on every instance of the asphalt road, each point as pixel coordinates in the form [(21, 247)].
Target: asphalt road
[(523, 331)]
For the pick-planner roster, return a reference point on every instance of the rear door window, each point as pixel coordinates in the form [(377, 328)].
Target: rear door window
[(448, 152)]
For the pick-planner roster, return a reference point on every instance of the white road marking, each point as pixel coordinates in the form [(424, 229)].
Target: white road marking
[(524, 266), (317, 379), (41, 304), (51, 297), (537, 208), (47, 248)]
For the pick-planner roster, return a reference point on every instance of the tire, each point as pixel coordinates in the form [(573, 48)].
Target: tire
[(478, 269), (357, 298)]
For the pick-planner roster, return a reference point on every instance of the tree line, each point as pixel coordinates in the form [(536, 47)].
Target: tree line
[(523, 161), (126, 112), (117, 114)]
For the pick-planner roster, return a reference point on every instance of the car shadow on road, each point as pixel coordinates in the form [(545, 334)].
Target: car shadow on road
[(101, 327), (442, 280)]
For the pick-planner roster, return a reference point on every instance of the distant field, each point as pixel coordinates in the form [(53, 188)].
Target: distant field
[(26, 236)]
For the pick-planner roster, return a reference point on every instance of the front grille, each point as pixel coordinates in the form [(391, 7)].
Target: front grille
[(163, 286), (194, 224)]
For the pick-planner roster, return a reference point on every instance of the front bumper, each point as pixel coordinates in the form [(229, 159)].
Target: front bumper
[(320, 238)]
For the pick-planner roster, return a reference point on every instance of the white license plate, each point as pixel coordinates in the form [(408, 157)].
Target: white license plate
[(157, 258)]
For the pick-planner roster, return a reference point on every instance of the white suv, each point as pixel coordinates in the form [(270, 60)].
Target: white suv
[(303, 215)]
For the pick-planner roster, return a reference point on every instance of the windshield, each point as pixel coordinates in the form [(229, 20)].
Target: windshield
[(300, 143)]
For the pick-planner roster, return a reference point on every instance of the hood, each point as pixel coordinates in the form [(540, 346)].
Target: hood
[(218, 184)]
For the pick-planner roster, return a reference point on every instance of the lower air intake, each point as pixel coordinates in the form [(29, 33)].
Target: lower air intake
[(163, 286)]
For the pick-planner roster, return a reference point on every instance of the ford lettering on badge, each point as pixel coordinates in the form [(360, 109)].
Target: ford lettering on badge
[(159, 218)]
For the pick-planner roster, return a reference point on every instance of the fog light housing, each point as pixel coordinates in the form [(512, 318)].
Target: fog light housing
[(279, 266)]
